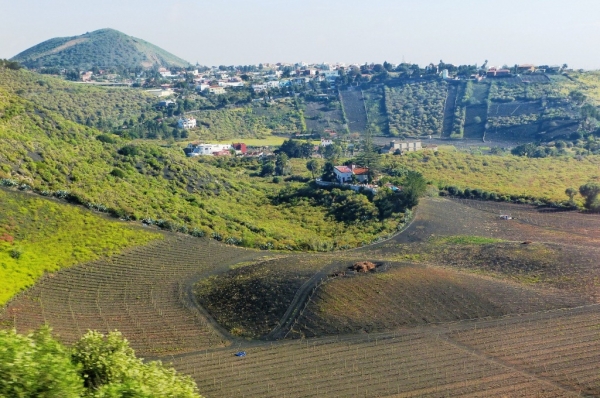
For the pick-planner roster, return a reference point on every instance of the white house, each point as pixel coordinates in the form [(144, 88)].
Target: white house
[(403, 147), (231, 84), (206, 149), (186, 123), (216, 90), (202, 86), (330, 75), (258, 88), (344, 173), (160, 92), (164, 72), (326, 141)]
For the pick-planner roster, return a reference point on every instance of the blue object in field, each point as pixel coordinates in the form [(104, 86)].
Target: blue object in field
[(240, 354)]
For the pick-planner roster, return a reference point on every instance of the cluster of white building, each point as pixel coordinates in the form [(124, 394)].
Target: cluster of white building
[(186, 123), (207, 149)]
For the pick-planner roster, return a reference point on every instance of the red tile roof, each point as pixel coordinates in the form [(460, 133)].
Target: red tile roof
[(343, 169)]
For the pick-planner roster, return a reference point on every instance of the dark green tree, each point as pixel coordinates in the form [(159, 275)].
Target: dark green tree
[(328, 173), (590, 192), (313, 166), (282, 165)]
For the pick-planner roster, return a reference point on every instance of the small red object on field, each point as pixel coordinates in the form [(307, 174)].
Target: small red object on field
[(363, 266)]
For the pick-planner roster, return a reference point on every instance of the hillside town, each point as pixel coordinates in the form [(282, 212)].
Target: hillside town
[(216, 80)]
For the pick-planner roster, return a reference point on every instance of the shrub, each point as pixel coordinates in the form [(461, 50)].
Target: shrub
[(117, 173), (106, 138), (198, 233), (129, 150), (16, 253), (7, 182)]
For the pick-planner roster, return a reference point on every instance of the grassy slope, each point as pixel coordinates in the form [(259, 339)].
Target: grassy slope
[(159, 182), (77, 102), (104, 47), (39, 235), (507, 175)]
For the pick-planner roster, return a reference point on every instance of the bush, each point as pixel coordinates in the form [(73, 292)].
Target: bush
[(16, 253), (106, 138), (117, 173), (129, 150), (198, 233), (36, 365)]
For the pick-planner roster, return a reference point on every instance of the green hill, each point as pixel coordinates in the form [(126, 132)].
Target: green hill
[(226, 200), (101, 48), (40, 235)]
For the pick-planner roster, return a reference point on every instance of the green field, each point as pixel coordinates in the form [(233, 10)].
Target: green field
[(505, 175), (39, 235)]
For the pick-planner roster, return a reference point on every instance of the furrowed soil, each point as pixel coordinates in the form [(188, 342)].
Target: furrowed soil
[(410, 295), (459, 305), (545, 354), (250, 300), (142, 292)]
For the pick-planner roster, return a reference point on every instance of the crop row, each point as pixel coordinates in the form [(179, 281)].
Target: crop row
[(567, 221), (143, 293), (564, 348), (355, 111), (414, 295), (421, 362)]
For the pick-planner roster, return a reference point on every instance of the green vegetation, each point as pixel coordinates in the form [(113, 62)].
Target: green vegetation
[(252, 121), (508, 92), (590, 192), (38, 235), (416, 109), (226, 199), (101, 48), (97, 366), (511, 176), (374, 98), (104, 108)]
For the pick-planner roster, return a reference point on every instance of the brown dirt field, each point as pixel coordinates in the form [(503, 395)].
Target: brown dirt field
[(249, 301), (410, 295), (559, 255), (491, 358)]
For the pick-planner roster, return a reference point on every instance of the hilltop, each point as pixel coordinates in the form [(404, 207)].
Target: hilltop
[(101, 48)]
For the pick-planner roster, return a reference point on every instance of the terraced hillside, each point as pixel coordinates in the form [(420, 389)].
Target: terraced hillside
[(416, 108), (476, 112), (449, 109), (322, 116), (354, 107), (143, 292)]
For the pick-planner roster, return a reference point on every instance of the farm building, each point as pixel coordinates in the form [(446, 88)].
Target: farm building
[(402, 147), (240, 148), (344, 173), (206, 149), (186, 123)]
